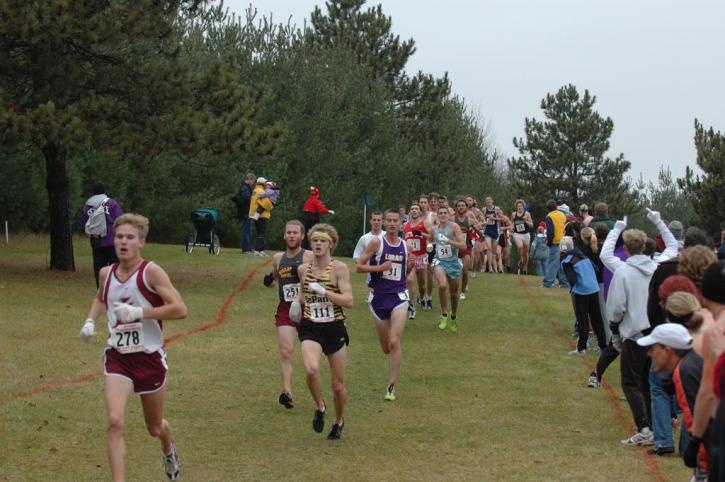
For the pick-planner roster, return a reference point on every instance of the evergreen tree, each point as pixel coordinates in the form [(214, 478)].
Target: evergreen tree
[(564, 156), (708, 191), (367, 33), (88, 74)]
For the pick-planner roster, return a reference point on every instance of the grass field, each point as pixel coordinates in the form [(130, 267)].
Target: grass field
[(501, 400)]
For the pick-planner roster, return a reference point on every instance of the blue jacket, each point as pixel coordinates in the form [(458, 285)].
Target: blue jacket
[(580, 272)]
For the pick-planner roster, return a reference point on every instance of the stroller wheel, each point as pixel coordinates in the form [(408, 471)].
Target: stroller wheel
[(215, 247), (190, 240)]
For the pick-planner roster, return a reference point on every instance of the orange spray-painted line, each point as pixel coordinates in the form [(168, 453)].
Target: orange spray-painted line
[(624, 422), (220, 319)]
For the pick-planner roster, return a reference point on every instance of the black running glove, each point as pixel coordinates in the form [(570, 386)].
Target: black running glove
[(268, 279)]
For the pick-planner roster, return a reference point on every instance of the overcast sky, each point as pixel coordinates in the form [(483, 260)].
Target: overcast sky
[(654, 65)]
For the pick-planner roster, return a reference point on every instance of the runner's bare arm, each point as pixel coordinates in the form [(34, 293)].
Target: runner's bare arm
[(411, 257), (174, 307), (98, 306), (361, 264), (527, 219), (269, 279), (459, 241), (341, 277), (301, 271)]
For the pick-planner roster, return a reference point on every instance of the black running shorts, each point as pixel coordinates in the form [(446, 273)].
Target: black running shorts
[(330, 336)]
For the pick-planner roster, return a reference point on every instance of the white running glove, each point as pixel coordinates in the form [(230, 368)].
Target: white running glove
[(295, 311), (88, 330), (621, 225), (330, 211), (127, 313), (317, 288), (653, 216), (255, 216), (429, 247), (442, 238)]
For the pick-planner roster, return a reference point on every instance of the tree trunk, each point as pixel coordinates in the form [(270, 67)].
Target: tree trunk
[(61, 236)]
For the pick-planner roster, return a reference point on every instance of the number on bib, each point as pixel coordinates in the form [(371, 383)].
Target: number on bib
[(444, 251), (394, 273), (128, 338), (520, 228), (322, 312), (404, 295), (415, 243), (291, 291)]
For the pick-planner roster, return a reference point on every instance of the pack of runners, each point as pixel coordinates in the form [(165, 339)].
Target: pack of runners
[(664, 313)]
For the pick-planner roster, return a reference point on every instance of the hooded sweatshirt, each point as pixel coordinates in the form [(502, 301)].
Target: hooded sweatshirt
[(313, 203), (627, 300)]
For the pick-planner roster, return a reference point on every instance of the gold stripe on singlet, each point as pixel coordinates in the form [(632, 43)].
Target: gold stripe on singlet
[(326, 281)]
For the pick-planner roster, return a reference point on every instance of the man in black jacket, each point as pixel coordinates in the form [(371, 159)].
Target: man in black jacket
[(242, 199)]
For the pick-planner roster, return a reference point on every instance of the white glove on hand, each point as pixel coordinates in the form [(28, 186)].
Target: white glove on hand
[(442, 238), (429, 247), (617, 342), (330, 211), (317, 288), (127, 313), (295, 311), (621, 225), (653, 216), (88, 330)]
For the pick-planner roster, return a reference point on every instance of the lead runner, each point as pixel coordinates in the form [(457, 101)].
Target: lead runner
[(136, 295)]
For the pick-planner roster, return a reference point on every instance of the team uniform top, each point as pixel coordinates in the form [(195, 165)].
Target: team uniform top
[(289, 280), (446, 252), (392, 281), (520, 224), (418, 242), (137, 292), (319, 309), (491, 224)]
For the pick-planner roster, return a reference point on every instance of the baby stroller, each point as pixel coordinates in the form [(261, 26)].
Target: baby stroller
[(204, 221)]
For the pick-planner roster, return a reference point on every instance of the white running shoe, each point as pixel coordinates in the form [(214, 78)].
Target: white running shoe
[(594, 382), (643, 437), (578, 352), (463, 296), (172, 464)]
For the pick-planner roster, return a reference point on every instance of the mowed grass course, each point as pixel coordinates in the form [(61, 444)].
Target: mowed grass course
[(501, 400)]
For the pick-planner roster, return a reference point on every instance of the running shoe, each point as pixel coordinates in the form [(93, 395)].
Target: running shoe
[(172, 464), (578, 352), (318, 423), (454, 325), (411, 311), (594, 381), (664, 450), (390, 393), (473, 274), (336, 431), (429, 303), (286, 400), (643, 437), (462, 295), (262, 254), (443, 322)]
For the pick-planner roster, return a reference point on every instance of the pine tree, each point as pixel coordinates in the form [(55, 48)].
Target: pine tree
[(89, 74), (564, 156), (707, 192)]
